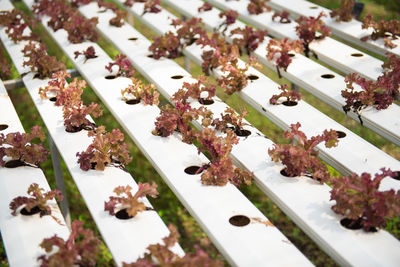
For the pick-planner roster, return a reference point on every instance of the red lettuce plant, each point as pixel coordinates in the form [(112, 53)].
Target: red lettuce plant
[(21, 149), (230, 18), (249, 39), (388, 30), (290, 95), (307, 29), (359, 199), (258, 6), (106, 149), (65, 94), (75, 116), (37, 200), (166, 45), (125, 68), (152, 6), (220, 170), (161, 255), (39, 61), (16, 22), (205, 7), (283, 16), (140, 91), (78, 3), (5, 66), (81, 29), (203, 90), (58, 11), (231, 120), (391, 74), (88, 53), (130, 202), (118, 20), (344, 13), (280, 52), (179, 118), (106, 5), (302, 158), (80, 249)]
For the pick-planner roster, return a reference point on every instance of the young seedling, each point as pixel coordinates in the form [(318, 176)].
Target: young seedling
[(291, 96), (88, 53), (125, 199), (281, 52), (388, 30), (152, 6), (107, 149), (205, 7), (344, 13), (202, 90), (302, 158), (230, 18), (138, 91), (249, 38), (75, 116), (21, 150), (119, 19), (80, 249), (359, 200), (15, 23), (125, 68), (283, 16), (37, 201), (258, 7), (231, 120)]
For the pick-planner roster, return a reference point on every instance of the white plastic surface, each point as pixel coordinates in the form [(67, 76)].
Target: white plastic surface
[(306, 73), (126, 239), (311, 211), (350, 31), (22, 234), (330, 51), (253, 245)]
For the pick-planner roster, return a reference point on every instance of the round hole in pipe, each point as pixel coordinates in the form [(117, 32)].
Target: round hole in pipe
[(150, 56), (123, 215), (132, 39), (328, 76), (289, 103), (177, 77), (193, 170), (291, 55), (252, 77), (340, 134), (110, 77), (133, 101), (357, 55), (397, 175), (239, 220), (313, 7), (53, 99), (33, 211), (3, 127)]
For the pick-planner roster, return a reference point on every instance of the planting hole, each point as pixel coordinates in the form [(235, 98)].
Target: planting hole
[(150, 56), (132, 39), (252, 77), (123, 215), (289, 103), (33, 211), (397, 175), (110, 77), (3, 127), (243, 132), (340, 134), (313, 7), (176, 77), (206, 101), (53, 99), (284, 173), (73, 129), (133, 101), (193, 170), (36, 76), (14, 164), (328, 76), (357, 55), (291, 55), (351, 224), (239, 220)]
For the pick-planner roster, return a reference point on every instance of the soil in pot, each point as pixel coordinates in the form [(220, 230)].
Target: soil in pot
[(33, 211), (239, 220)]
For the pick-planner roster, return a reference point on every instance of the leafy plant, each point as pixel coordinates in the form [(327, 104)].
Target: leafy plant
[(16, 22), (307, 29), (58, 11), (5, 66), (283, 16), (258, 6), (152, 6), (106, 149), (125, 68), (39, 61), (249, 38), (201, 90), (391, 74), (291, 95), (81, 248), (302, 158), (220, 170), (81, 29), (344, 13), (205, 7), (230, 120), (78, 3), (75, 116), (88, 53), (106, 6), (279, 51), (65, 94), (38, 199), (230, 18), (358, 198), (161, 255), (130, 202), (388, 30), (166, 45), (140, 91), (118, 20), (19, 146)]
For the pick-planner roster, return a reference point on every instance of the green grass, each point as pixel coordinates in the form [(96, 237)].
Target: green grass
[(167, 205)]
